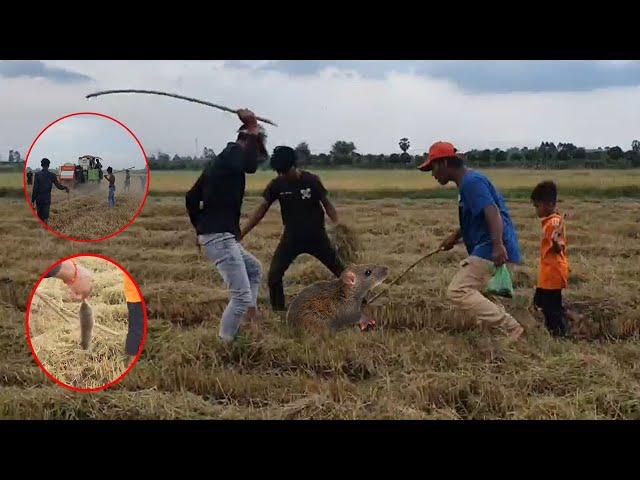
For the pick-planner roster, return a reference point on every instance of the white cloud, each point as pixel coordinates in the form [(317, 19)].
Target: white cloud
[(320, 108)]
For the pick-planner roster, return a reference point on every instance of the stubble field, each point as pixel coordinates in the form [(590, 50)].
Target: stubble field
[(424, 361)]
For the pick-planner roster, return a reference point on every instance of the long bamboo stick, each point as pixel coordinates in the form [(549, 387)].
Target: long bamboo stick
[(397, 279), (181, 97)]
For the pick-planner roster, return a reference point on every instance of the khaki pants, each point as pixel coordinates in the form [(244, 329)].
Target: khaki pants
[(465, 293)]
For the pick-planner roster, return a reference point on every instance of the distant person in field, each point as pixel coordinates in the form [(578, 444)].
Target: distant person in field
[(553, 270), (43, 181), (488, 234), (29, 176), (127, 180), (303, 203), (221, 188), (111, 178), (98, 165)]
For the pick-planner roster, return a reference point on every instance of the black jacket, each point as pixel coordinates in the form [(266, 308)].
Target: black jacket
[(220, 188), (42, 183)]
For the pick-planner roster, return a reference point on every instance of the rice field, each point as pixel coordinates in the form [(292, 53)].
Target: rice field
[(400, 183), (84, 213), (423, 361)]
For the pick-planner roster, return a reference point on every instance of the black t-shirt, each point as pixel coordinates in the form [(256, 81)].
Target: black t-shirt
[(43, 181), (220, 188), (300, 203)]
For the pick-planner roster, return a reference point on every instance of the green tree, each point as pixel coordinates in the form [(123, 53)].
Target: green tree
[(485, 157), (343, 148), (324, 159), (208, 153), (516, 156), (303, 153), (563, 155), (500, 156), (635, 146), (615, 153), (341, 152), (404, 144)]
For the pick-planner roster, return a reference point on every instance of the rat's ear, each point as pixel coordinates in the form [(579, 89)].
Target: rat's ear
[(348, 277)]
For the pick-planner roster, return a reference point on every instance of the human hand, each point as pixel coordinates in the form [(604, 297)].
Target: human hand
[(499, 255)]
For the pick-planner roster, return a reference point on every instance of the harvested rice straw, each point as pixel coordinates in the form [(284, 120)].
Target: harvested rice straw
[(346, 243), (70, 316)]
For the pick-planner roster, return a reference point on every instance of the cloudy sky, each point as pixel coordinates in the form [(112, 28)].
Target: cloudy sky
[(475, 104), (79, 135)]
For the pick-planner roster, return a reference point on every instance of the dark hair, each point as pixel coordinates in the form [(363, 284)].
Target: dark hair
[(109, 169), (545, 192), (242, 136), (45, 162), (453, 162), (283, 159)]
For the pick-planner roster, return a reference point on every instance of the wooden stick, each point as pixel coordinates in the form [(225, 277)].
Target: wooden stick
[(405, 272), (181, 97)]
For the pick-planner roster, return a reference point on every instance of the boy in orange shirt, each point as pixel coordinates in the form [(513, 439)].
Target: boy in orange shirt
[(553, 271)]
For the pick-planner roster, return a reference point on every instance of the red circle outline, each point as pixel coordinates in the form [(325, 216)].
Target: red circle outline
[(60, 234), (144, 333)]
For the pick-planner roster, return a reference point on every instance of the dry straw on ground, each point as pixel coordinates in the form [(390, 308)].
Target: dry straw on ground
[(423, 360), (84, 213), (345, 240)]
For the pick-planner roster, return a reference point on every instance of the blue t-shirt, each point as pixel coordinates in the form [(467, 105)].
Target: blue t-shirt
[(476, 193)]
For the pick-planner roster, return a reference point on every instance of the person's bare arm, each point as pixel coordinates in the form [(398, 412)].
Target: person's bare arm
[(330, 209), (494, 221), (77, 278), (250, 154), (58, 185), (255, 217), (557, 238)]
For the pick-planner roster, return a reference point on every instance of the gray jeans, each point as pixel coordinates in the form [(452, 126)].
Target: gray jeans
[(240, 271)]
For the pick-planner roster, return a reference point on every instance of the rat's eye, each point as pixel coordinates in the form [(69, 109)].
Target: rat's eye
[(368, 273)]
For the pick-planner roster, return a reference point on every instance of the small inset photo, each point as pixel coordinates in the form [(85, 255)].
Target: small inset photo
[(86, 177), (86, 322)]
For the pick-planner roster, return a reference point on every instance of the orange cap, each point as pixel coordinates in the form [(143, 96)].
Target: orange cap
[(438, 150)]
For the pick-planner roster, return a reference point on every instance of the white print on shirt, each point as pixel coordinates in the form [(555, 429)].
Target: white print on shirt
[(306, 193)]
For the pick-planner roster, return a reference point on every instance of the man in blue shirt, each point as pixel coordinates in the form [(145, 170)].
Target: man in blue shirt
[(487, 231)]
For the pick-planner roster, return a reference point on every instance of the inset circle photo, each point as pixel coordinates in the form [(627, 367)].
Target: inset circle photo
[(86, 177), (86, 322)]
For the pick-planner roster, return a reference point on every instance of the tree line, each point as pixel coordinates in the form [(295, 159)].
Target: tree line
[(344, 154)]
